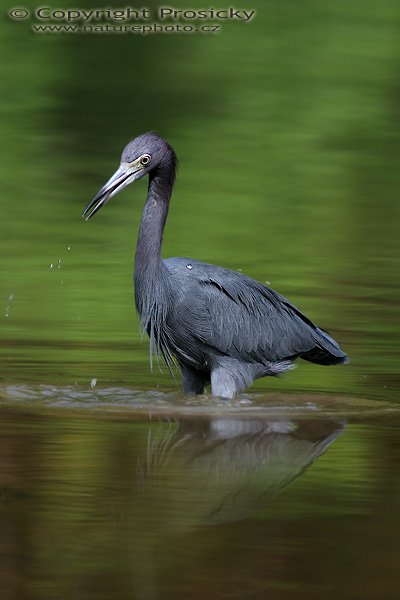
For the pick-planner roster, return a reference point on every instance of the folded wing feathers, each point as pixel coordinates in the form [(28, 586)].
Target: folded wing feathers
[(248, 318)]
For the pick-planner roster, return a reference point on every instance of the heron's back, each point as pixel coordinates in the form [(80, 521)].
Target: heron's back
[(219, 312)]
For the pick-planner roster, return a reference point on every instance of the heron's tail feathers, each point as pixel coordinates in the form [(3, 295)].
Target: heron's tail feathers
[(279, 367), (326, 350)]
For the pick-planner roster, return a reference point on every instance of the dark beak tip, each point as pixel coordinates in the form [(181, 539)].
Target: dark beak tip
[(104, 194), (86, 215), (94, 205), (117, 182)]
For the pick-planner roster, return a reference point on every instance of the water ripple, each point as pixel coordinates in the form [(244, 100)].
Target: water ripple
[(159, 402)]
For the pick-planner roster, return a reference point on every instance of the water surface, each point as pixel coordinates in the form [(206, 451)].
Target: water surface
[(99, 503)]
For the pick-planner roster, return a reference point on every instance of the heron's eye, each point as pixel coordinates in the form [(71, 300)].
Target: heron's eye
[(145, 159)]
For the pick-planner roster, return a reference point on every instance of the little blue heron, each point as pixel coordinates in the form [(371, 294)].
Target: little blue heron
[(220, 326)]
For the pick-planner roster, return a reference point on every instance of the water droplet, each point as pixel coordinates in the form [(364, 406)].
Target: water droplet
[(311, 406), (51, 265), (68, 247), (59, 264), (93, 382), (189, 267), (7, 312), (267, 282), (11, 298), (240, 270), (245, 401)]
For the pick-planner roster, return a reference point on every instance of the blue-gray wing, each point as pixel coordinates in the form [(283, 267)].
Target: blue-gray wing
[(226, 312)]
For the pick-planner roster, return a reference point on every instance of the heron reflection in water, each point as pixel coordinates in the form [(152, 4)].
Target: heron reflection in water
[(221, 469), (221, 327)]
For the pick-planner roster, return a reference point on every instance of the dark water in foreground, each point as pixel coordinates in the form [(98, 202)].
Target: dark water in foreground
[(112, 494)]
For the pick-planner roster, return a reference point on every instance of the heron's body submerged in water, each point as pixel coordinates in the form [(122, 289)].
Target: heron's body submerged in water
[(221, 326)]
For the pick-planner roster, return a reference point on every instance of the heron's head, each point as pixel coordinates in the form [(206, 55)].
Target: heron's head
[(144, 154)]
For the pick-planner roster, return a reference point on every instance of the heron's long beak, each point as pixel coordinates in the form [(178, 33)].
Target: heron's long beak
[(121, 178)]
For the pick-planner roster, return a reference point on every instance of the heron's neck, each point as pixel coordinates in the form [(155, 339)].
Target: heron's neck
[(148, 248)]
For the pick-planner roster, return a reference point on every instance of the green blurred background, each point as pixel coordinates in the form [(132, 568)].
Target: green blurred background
[(287, 129)]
